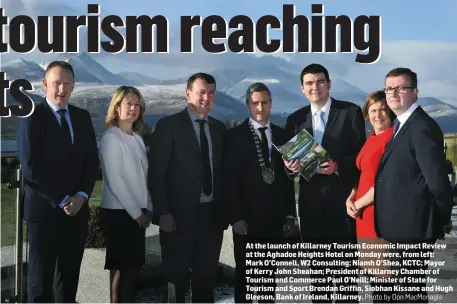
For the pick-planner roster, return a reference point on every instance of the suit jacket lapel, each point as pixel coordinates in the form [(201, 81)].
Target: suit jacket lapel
[(57, 129), (276, 140), (51, 115), (74, 123), (308, 123), (215, 139), (400, 133), (188, 133), (273, 136), (332, 118), (250, 147)]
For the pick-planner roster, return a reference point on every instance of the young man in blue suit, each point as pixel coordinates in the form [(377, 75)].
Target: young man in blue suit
[(58, 154)]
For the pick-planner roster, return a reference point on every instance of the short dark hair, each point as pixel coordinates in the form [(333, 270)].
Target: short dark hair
[(256, 87), (375, 97), (62, 64), (204, 76), (404, 71), (314, 68)]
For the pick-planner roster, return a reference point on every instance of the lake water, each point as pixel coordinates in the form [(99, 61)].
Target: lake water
[(8, 146)]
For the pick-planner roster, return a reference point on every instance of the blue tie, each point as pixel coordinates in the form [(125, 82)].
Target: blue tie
[(320, 127)]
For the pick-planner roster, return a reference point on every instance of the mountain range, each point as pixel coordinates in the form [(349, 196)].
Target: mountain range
[(95, 85)]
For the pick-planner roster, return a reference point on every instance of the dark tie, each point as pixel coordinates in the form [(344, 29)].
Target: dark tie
[(396, 126), (265, 150), (64, 126), (395, 129), (204, 152)]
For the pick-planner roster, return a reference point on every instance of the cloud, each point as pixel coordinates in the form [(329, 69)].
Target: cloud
[(434, 62), (34, 8)]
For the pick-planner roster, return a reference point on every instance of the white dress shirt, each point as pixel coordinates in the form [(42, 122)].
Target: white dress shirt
[(402, 118), (256, 127), (125, 169)]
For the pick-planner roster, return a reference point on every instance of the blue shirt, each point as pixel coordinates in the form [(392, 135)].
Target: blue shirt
[(56, 108), (203, 198)]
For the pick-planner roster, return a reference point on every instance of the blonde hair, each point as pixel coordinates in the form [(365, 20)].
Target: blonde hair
[(112, 116)]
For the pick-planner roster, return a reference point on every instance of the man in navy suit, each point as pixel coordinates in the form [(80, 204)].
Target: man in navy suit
[(413, 195), (339, 127), (58, 154)]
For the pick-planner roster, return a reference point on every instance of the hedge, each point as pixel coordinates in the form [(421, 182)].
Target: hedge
[(95, 237)]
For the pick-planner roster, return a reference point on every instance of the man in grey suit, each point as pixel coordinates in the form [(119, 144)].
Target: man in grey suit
[(185, 184)]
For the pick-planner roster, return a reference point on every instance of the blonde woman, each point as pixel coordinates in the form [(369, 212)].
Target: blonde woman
[(125, 202)]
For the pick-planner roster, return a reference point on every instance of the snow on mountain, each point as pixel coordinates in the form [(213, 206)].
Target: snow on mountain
[(284, 86), (95, 85), (441, 89), (82, 74), (87, 70), (138, 78), (161, 100), (23, 69), (444, 114), (437, 108), (283, 100)]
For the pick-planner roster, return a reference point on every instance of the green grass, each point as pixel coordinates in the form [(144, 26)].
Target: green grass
[(451, 152), (8, 216), (96, 194), (8, 208)]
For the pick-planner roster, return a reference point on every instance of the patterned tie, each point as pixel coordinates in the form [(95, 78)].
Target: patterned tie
[(396, 126), (204, 152), (320, 127), (265, 150), (395, 129), (64, 126)]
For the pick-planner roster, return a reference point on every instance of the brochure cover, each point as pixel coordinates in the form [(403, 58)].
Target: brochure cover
[(305, 148)]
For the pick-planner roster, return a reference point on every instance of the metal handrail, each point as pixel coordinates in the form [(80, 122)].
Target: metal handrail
[(18, 184)]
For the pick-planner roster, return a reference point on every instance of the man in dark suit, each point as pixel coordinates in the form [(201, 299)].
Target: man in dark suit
[(413, 194), (340, 128), (185, 186), (258, 194), (58, 154)]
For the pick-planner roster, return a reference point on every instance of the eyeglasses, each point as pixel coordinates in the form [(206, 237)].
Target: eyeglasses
[(397, 90)]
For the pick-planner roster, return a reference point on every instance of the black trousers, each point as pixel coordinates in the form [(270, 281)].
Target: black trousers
[(245, 267), (56, 250), (193, 253)]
